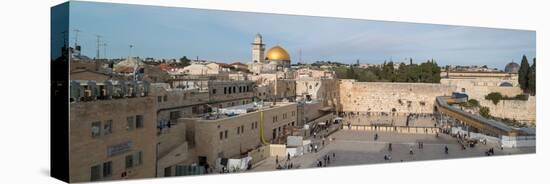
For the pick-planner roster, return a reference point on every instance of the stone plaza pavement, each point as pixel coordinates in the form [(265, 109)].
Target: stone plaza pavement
[(359, 147)]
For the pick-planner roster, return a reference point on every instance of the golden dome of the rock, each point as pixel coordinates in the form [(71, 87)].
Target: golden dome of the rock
[(277, 53)]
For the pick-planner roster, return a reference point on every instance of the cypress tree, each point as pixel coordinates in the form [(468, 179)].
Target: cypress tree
[(523, 74), (532, 78)]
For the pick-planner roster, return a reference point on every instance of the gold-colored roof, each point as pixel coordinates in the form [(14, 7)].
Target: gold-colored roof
[(277, 53)]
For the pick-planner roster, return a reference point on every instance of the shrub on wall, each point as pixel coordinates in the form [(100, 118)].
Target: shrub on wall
[(473, 103), (494, 96), (484, 111)]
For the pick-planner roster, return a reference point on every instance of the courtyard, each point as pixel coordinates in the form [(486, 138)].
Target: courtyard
[(349, 147)]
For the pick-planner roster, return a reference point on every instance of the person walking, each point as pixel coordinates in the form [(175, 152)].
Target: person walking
[(288, 157)]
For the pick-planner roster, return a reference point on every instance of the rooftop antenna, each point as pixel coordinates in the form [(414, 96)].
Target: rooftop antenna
[(98, 45), (105, 50)]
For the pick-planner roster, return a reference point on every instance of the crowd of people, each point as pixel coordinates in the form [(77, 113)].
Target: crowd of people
[(326, 160)]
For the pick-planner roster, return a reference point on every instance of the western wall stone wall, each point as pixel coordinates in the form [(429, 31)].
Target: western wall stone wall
[(400, 98)]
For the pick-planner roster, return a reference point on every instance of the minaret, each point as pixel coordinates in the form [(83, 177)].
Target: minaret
[(258, 49)]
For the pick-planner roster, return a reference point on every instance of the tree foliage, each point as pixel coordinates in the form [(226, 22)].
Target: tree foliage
[(532, 79), (484, 111), (527, 76), (495, 97), (428, 72)]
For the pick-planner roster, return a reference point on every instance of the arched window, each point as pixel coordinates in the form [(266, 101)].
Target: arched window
[(506, 84)]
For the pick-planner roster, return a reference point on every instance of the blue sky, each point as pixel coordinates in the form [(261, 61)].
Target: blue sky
[(225, 36)]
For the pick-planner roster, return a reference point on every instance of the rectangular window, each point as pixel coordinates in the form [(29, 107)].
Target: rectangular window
[(221, 135), (165, 98), (238, 130), (131, 123), (108, 127), (225, 134), (95, 173), (138, 158), (224, 90), (174, 115), (252, 126), (159, 98), (96, 129), (242, 128), (256, 124), (214, 91), (107, 169), (129, 161), (139, 121)]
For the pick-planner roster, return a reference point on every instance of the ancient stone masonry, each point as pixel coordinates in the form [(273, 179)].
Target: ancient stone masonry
[(398, 98), (522, 111)]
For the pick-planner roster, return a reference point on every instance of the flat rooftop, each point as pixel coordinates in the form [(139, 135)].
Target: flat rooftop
[(235, 111)]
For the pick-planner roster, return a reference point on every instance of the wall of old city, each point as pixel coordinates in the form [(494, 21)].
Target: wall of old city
[(478, 88), (385, 97), (522, 111)]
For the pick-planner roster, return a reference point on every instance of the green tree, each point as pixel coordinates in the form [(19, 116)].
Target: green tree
[(350, 73), (532, 80), (523, 74), (473, 102), (485, 112), (494, 96), (184, 61)]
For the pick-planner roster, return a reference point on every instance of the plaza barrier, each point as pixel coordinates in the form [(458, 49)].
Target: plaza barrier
[(518, 141), (259, 154), (277, 150), (396, 129)]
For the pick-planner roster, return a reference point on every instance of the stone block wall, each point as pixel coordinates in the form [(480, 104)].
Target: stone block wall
[(388, 97)]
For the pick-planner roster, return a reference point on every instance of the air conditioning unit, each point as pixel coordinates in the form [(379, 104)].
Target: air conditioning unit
[(108, 89), (146, 88), (138, 89), (94, 90), (123, 88), (132, 88)]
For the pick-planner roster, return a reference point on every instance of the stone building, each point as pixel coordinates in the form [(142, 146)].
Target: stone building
[(240, 129), (112, 132)]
